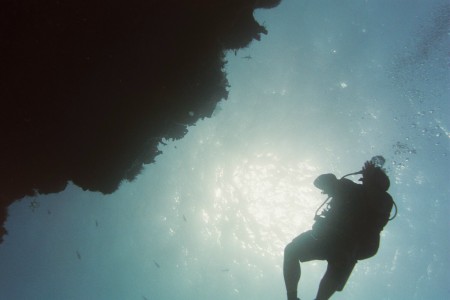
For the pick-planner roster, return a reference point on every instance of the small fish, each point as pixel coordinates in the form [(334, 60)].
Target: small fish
[(49, 212), (96, 223), (34, 204), (144, 298), (78, 255), (225, 270), (184, 218), (248, 57), (156, 264)]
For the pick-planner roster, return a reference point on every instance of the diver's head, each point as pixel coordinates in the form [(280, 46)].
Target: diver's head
[(375, 177), (327, 183)]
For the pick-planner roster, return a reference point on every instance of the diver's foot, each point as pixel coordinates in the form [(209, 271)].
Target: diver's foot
[(292, 296)]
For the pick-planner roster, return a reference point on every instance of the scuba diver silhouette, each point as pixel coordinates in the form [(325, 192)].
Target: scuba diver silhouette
[(346, 231)]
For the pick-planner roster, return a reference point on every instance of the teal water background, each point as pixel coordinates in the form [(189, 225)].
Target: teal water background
[(332, 84)]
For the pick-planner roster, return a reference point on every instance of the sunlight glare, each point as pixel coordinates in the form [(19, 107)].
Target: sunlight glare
[(270, 201)]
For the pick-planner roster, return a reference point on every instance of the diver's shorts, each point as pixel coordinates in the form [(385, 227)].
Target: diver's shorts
[(338, 253)]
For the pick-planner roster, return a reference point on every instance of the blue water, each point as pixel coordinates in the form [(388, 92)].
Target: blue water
[(333, 84)]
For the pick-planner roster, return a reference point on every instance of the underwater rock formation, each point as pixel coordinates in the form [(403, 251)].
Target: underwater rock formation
[(89, 89)]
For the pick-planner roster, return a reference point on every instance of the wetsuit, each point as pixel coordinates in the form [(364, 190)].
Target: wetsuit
[(347, 231)]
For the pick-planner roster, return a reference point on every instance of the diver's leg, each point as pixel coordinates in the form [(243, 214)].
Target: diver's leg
[(303, 248), (291, 271), (329, 283)]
